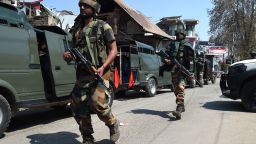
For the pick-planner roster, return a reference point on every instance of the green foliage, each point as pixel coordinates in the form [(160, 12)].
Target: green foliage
[(233, 23)]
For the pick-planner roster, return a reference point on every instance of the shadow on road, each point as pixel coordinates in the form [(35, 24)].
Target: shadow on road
[(132, 94), (164, 114), (105, 141), (54, 138), (35, 117), (225, 106)]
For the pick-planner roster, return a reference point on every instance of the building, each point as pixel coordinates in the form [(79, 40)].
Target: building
[(130, 23), (171, 24)]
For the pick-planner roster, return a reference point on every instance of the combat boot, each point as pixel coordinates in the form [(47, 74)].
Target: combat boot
[(114, 132), (88, 139), (179, 109)]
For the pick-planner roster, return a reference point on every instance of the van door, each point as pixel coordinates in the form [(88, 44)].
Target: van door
[(166, 78), (63, 73), (19, 62), (135, 62), (127, 61)]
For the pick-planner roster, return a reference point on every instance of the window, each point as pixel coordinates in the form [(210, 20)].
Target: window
[(4, 22)]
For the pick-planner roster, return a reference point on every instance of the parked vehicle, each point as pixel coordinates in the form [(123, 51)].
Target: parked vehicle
[(32, 70), (240, 83), (138, 67)]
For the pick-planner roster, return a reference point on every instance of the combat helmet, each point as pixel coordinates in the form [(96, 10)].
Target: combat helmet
[(180, 28), (92, 3)]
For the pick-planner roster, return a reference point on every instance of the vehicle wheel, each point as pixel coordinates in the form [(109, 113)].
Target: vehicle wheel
[(5, 114), (249, 95), (110, 98), (151, 87)]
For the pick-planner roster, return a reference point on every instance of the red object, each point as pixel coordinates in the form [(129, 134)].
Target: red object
[(131, 80), (116, 78)]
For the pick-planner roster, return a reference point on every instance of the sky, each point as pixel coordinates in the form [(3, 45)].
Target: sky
[(156, 9)]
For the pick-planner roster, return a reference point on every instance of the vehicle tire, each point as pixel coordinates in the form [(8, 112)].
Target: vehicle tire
[(151, 87), (248, 96), (5, 114), (109, 99)]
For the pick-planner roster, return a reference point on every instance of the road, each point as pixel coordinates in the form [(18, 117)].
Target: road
[(209, 119)]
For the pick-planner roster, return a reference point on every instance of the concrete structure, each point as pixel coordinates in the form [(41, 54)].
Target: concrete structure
[(171, 24)]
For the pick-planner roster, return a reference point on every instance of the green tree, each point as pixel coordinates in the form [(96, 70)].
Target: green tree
[(234, 23)]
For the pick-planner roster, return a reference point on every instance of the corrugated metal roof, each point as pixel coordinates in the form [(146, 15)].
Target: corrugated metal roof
[(142, 20)]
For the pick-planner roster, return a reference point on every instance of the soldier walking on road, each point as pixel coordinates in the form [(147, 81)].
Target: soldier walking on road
[(200, 69), (184, 53), (95, 40)]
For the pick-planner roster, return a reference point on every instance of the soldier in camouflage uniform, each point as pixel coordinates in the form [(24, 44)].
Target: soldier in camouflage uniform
[(200, 69), (95, 40), (182, 50)]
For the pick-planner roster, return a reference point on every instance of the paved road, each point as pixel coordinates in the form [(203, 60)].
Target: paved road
[(209, 119)]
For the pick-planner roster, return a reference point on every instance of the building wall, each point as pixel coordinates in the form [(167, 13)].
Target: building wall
[(7, 1)]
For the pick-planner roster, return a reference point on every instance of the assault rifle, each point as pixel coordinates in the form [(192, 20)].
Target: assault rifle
[(77, 54), (176, 62)]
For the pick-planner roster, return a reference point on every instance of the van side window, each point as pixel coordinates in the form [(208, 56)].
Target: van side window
[(3, 22), (147, 51), (134, 50)]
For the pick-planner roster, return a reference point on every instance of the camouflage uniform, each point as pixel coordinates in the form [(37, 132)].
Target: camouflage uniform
[(200, 70), (88, 94), (183, 52)]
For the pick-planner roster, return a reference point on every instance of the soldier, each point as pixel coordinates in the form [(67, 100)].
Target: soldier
[(184, 53), (253, 54), (200, 69), (95, 40)]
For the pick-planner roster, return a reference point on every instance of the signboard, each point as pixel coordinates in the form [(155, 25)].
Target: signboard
[(215, 50)]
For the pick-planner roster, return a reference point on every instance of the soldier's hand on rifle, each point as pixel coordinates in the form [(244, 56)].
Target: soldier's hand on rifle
[(100, 70), (167, 61), (67, 56)]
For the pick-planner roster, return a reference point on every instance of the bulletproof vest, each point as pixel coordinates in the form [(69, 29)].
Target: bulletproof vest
[(92, 44), (182, 54)]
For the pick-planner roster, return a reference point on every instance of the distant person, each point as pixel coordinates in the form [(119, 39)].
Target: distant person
[(200, 70), (95, 39), (253, 54)]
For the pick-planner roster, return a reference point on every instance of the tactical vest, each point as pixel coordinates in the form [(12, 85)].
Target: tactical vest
[(92, 43), (182, 55)]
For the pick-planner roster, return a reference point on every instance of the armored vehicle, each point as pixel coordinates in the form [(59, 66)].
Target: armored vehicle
[(32, 70), (240, 83)]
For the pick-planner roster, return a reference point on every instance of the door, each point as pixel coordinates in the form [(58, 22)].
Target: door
[(63, 73)]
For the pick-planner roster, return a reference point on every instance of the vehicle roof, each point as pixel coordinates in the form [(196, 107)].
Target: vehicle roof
[(54, 29), (12, 15), (133, 42), (245, 61)]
